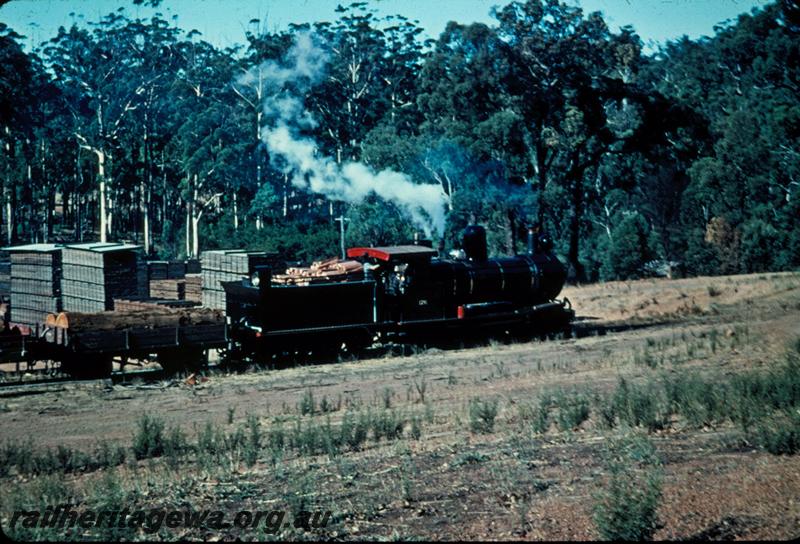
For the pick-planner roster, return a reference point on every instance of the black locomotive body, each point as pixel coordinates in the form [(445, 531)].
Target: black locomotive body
[(406, 293)]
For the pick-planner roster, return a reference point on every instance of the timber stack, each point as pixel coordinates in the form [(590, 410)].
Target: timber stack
[(5, 273), (95, 274), (193, 288), (168, 289), (230, 265), (167, 279), (35, 282)]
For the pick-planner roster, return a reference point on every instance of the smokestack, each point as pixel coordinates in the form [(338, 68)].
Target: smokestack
[(475, 243), (419, 241)]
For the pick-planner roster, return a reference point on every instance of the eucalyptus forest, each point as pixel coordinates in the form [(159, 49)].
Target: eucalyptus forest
[(687, 156)]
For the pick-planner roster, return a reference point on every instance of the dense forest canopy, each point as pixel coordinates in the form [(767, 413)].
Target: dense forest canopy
[(138, 130)]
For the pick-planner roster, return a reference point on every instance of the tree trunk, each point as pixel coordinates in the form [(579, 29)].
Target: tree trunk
[(6, 187), (31, 221), (110, 208), (195, 237), (258, 154), (235, 212), (189, 214), (144, 189), (188, 229), (195, 221), (578, 272), (285, 195), (101, 175), (146, 221), (10, 206)]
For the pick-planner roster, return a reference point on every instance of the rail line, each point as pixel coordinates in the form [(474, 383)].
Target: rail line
[(581, 328)]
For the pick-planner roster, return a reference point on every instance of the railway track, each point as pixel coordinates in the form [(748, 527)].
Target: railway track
[(31, 379), (42, 377)]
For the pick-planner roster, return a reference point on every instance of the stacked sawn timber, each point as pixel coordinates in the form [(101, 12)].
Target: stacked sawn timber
[(168, 289), (5, 273), (320, 271), (35, 282), (229, 265), (193, 288), (167, 279), (95, 274)]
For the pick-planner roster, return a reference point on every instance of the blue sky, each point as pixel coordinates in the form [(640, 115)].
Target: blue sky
[(223, 22)]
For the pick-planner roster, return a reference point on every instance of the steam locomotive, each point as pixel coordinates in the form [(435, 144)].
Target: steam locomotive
[(406, 293)]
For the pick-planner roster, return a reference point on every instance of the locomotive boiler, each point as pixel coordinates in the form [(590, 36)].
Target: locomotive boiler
[(406, 293)]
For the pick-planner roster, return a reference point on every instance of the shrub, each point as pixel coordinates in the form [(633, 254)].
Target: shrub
[(108, 456), (779, 435), (572, 411), (149, 439), (387, 395), (209, 440), (307, 404), (387, 424), (482, 415), (416, 427), (627, 508), (637, 406), (253, 442)]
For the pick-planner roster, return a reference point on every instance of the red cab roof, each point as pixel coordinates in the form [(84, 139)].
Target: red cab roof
[(392, 253)]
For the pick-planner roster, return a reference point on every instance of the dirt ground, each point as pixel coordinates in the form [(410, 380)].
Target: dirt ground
[(453, 483)]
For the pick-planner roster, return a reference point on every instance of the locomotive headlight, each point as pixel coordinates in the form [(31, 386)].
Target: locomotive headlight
[(255, 280)]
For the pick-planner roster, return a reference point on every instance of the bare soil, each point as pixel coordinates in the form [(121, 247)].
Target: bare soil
[(452, 483)]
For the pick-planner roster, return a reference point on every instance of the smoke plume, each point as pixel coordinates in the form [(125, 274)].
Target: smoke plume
[(285, 84)]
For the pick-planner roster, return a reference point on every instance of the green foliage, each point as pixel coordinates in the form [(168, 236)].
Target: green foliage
[(482, 414), (628, 250), (296, 241), (760, 246), (689, 154), (779, 435), (638, 405), (25, 459), (627, 508), (307, 404), (378, 223), (573, 409), (537, 417), (149, 438)]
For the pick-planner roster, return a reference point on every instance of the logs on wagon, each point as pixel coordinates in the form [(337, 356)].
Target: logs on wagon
[(327, 270), (146, 318)]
